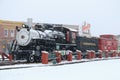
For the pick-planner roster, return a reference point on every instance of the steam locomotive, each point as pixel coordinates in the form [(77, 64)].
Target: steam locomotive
[(30, 42)]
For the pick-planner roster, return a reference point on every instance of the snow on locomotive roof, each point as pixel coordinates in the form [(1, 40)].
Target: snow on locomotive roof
[(71, 29), (74, 28)]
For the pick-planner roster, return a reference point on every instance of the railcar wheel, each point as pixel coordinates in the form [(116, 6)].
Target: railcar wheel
[(31, 58)]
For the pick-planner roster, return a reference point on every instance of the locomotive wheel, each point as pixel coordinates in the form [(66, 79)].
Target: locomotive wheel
[(31, 58)]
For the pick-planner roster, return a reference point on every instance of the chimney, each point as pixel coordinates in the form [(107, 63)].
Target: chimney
[(29, 22)]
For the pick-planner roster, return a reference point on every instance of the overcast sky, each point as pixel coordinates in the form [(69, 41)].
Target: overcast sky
[(103, 15)]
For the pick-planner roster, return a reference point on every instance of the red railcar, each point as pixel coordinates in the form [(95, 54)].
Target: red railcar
[(107, 42)]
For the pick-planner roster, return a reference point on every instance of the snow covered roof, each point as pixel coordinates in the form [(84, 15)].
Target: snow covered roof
[(71, 29)]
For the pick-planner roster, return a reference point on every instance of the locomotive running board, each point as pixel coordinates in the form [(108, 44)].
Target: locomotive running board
[(9, 67)]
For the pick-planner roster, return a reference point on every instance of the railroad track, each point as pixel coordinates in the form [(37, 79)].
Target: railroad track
[(31, 65), (7, 62)]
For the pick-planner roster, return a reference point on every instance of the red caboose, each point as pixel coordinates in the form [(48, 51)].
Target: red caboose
[(107, 42)]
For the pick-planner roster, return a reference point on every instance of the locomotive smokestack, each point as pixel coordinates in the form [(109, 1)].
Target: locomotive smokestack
[(29, 22)]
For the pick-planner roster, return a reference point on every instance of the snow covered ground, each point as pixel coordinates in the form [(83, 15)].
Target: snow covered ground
[(98, 70)]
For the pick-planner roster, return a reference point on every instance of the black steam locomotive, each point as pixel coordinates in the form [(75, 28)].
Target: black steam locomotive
[(30, 42)]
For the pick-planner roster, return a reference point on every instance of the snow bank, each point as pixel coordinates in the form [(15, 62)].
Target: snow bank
[(99, 70)]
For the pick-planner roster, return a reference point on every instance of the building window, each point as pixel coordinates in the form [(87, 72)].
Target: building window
[(12, 33), (6, 33)]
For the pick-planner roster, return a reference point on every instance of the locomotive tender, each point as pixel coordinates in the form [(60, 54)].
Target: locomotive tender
[(29, 42)]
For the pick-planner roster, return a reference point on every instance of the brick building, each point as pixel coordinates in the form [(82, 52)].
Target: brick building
[(7, 33)]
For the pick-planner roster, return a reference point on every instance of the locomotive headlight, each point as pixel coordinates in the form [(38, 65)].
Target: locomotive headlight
[(23, 26)]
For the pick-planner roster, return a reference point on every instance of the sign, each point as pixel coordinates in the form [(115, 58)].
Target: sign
[(86, 28)]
